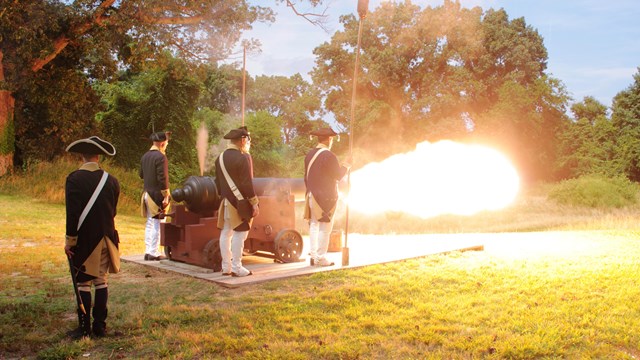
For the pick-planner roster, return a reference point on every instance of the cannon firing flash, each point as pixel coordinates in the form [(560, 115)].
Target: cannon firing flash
[(435, 179)]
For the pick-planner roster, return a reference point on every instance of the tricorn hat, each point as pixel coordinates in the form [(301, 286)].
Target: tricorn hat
[(93, 145), (237, 133), (160, 136), (324, 132)]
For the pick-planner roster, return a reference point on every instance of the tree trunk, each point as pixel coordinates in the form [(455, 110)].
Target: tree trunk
[(6, 132), (7, 137)]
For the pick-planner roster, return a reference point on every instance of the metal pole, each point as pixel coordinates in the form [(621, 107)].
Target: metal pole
[(345, 249)]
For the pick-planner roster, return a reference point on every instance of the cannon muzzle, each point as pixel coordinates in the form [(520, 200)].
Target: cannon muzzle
[(199, 194)]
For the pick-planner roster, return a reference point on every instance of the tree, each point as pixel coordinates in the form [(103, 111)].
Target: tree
[(388, 47), (101, 36), (156, 100), (267, 149), (524, 107), (524, 122), (444, 72), (588, 143), (626, 120), (292, 99), (222, 88), (55, 110)]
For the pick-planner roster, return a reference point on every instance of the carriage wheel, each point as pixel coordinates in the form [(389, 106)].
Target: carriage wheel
[(288, 246)]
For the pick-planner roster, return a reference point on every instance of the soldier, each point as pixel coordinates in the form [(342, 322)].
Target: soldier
[(239, 205), (321, 176), (91, 198), (154, 170)]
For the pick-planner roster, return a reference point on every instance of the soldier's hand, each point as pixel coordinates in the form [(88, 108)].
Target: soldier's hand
[(68, 251), (256, 210)]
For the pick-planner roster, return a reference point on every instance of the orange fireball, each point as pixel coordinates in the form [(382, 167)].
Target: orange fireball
[(440, 178)]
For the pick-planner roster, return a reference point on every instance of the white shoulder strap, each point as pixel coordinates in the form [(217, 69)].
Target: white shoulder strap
[(93, 198), (232, 185), (315, 156)]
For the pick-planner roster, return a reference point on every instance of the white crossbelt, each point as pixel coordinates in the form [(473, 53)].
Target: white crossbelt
[(314, 159), (230, 182), (93, 198)]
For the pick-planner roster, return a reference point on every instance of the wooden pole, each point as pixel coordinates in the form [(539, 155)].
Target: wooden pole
[(244, 76), (345, 249)]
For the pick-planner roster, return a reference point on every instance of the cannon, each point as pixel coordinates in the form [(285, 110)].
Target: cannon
[(192, 236)]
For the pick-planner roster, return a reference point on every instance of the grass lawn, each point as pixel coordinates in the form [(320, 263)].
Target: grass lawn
[(542, 295)]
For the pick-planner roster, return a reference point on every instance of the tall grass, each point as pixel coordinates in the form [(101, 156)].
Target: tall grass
[(45, 181)]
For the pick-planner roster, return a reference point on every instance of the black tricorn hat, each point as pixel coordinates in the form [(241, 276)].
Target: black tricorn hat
[(237, 133), (160, 136), (324, 132), (93, 145)]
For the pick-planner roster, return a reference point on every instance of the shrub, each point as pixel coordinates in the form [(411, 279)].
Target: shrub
[(45, 181), (595, 191)]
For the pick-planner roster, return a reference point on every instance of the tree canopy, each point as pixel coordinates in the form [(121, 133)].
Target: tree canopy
[(444, 72), (588, 144), (626, 121), (41, 40), (125, 68), (601, 142)]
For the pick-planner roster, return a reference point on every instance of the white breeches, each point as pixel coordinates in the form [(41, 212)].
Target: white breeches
[(319, 234), (231, 245), (152, 237)]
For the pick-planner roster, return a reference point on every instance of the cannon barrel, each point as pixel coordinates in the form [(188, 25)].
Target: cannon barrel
[(279, 187), (200, 195)]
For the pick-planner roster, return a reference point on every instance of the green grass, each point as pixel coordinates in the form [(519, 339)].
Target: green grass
[(569, 291), (514, 300)]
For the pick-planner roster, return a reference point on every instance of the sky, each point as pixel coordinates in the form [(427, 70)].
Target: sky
[(593, 45)]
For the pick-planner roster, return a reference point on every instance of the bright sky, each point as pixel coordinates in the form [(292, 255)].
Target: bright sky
[(593, 45)]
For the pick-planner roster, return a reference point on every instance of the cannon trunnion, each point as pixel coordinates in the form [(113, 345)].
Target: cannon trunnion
[(192, 235)]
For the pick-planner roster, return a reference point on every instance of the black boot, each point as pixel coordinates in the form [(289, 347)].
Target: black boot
[(100, 312), (84, 320)]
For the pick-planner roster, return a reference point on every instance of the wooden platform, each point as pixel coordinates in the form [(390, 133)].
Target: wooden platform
[(363, 250)]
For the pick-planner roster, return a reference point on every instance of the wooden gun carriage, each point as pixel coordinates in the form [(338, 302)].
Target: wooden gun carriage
[(192, 236)]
